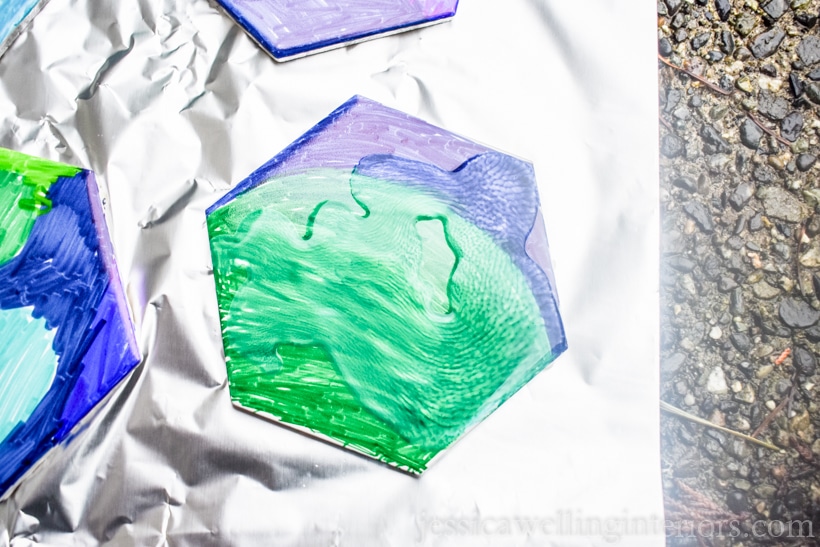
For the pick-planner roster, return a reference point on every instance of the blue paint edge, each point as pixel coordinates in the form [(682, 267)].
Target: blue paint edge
[(54, 417), (262, 173)]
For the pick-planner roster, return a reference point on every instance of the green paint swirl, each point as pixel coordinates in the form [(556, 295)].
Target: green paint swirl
[(369, 312), (24, 184)]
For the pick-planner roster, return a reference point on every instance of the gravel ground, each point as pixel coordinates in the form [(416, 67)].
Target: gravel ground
[(740, 276)]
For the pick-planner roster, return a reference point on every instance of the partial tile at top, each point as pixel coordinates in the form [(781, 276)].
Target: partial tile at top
[(288, 30), (14, 14)]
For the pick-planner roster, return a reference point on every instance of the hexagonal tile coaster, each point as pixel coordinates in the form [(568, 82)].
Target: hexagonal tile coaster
[(66, 338), (288, 31), (383, 284)]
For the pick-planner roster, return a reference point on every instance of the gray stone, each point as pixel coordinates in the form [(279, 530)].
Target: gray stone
[(809, 50), (664, 47), (804, 361), (806, 18), (741, 196), (813, 93), (700, 40), (750, 134), (772, 106), (723, 9), (791, 126), (714, 141), (797, 313), (804, 162), (672, 6), (775, 9), (671, 364), (672, 146), (686, 183), (727, 42), (700, 214), (781, 204), (766, 43), (726, 284), (764, 291), (741, 341)]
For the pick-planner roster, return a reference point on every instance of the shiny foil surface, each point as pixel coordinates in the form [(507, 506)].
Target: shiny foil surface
[(171, 104)]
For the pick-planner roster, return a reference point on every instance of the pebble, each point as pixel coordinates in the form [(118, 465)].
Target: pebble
[(741, 341), (746, 395), (791, 126), (736, 303), (671, 364), (775, 9), (764, 291), (750, 134), (698, 212), (700, 40), (809, 49), (811, 258), (764, 371), (726, 284), (764, 173), (797, 313), (673, 97), (664, 47), (716, 382), (686, 183), (805, 18), (781, 204), (795, 85), (723, 9), (804, 361), (744, 84), (672, 146), (771, 405), (681, 263), (727, 42), (813, 93), (772, 106), (714, 56), (805, 162), (766, 43), (738, 448), (745, 23), (672, 6), (741, 196), (715, 143), (715, 333), (689, 400)]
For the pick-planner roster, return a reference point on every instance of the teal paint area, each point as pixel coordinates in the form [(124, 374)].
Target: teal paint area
[(370, 312), (12, 13), (27, 366), (65, 336)]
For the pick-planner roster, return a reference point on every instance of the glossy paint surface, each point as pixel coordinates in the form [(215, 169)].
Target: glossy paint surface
[(62, 274), (389, 306)]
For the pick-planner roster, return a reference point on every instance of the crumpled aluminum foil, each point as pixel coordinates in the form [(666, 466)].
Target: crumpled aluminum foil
[(170, 103)]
